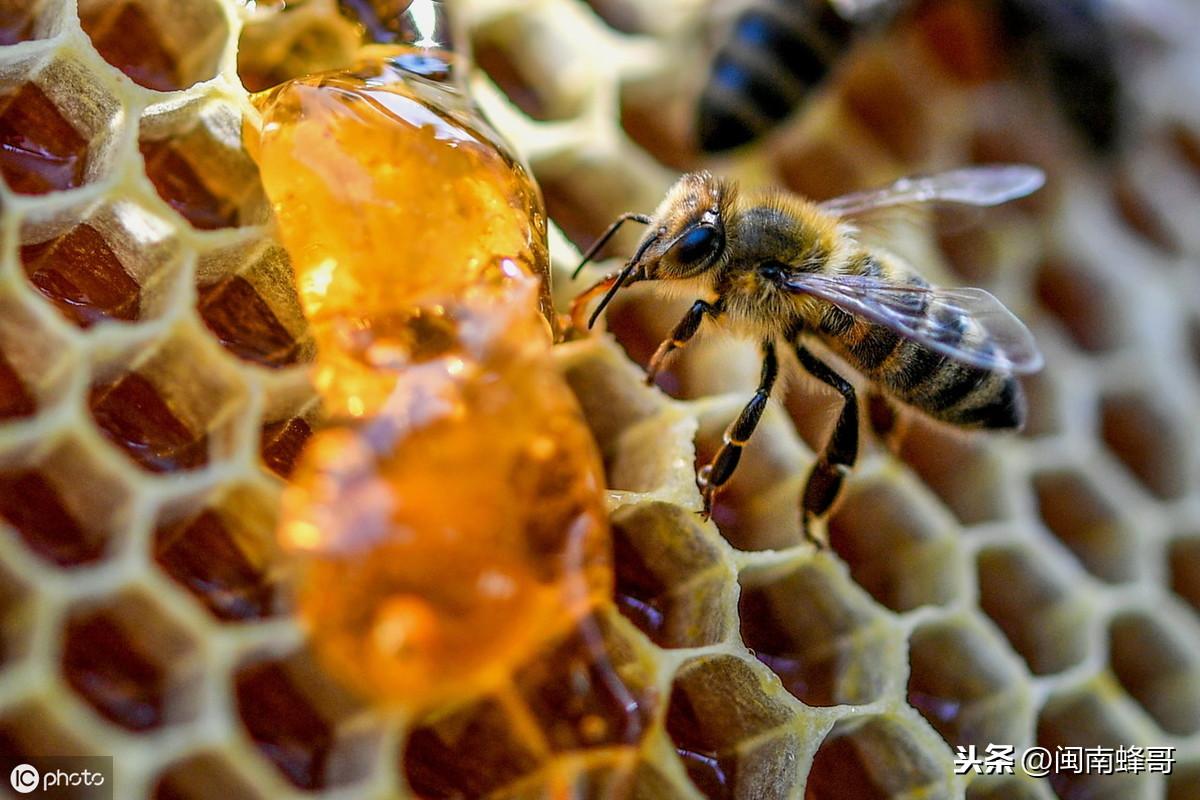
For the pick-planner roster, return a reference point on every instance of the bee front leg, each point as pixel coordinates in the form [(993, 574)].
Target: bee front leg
[(684, 330), (717, 473), (839, 454)]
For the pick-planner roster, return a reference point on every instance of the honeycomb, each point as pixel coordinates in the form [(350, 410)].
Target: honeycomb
[(1033, 589)]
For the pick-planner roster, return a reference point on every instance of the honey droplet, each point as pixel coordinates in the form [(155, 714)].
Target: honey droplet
[(452, 518)]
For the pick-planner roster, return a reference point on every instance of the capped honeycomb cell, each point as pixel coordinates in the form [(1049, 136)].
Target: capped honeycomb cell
[(1084, 519), (223, 551), (864, 758), (64, 506), (714, 739), (156, 43), (301, 725), (202, 776), (194, 158), (119, 263), (964, 683), (894, 548), (1158, 668), (672, 581), (131, 663), (1034, 607), (815, 630)]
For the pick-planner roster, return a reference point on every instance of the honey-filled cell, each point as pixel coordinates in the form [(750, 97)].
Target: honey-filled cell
[(134, 416), (40, 150), (81, 275)]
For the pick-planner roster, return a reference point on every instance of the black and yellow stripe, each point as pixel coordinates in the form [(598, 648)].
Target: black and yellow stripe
[(935, 384)]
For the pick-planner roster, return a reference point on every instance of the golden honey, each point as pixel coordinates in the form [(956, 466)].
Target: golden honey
[(453, 520)]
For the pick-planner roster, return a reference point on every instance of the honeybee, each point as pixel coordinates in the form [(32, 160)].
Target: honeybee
[(779, 50), (774, 54), (785, 271)]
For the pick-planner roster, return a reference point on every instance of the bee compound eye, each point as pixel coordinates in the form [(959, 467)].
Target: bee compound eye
[(696, 244)]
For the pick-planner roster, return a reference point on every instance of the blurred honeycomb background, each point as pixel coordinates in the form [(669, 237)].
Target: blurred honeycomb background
[(1034, 589)]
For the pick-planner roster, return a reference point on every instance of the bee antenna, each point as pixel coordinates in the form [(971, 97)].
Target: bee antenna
[(610, 294), (608, 234)]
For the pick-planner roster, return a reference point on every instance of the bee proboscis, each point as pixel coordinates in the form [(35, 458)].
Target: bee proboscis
[(785, 270)]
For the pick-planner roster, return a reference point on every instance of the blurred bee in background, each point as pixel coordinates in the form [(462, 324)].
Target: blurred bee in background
[(779, 50), (775, 53), (785, 270)]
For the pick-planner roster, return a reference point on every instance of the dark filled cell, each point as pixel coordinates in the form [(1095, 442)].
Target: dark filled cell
[(33, 506), (225, 568), (125, 35), (114, 672), (136, 418), (40, 151), (282, 443), (245, 324), (179, 185), (289, 731), (15, 399), (81, 275)]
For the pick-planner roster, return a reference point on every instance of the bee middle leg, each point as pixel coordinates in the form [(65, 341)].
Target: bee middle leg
[(683, 332), (717, 472), (824, 482)]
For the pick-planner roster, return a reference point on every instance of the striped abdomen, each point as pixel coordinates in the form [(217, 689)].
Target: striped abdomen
[(938, 385), (777, 51)]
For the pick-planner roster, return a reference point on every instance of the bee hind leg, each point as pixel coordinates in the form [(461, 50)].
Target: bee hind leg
[(717, 472), (824, 482), (683, 332)]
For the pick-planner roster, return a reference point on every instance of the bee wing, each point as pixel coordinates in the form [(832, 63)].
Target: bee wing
[(914, 311), (973, 186)]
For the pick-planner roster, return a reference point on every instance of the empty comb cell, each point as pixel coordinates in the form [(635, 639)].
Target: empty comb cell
[(282, 442)]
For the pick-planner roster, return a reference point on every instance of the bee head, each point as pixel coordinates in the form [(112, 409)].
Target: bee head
[(687, 232)]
